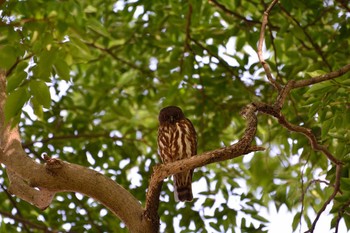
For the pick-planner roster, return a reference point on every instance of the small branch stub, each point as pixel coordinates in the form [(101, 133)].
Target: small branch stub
[(52, 164)]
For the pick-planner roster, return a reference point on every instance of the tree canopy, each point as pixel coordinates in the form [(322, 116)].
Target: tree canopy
[(85, 81)]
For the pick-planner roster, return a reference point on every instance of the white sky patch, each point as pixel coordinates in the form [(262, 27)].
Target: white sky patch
[(223, 53), (139, 11), (103, 212), (153, 63), (118, 6), (134, 177), (89, 158), (68, 149), (123, 163), (66, 226), (79, 196)]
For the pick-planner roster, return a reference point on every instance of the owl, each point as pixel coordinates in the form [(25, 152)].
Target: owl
[(177, 140)]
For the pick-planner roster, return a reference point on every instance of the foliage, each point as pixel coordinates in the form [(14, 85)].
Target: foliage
[(96, 74)]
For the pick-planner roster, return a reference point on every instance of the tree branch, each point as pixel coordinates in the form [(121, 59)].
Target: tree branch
[(187, 45), (340, 214), (275, 111), (38, 183), (229, 69), (121, 60), (260, 46), (233, 13), (335, 191), (25, 222), (313, 43), (14, 203), (160, 172), (321, 78), (271, 110)]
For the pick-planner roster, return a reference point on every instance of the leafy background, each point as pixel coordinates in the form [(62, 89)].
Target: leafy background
[(93, 75)]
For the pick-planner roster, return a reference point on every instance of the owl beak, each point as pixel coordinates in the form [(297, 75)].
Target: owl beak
[(171, 119)]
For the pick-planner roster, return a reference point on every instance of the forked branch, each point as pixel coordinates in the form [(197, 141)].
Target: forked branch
[(275, 110)]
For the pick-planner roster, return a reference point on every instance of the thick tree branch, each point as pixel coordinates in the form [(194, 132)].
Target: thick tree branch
[(160, 172), (38, 183)]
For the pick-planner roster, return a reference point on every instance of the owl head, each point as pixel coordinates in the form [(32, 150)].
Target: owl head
[(170, 115)]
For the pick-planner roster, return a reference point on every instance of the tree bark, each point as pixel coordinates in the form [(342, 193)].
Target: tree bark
[(37, 183)]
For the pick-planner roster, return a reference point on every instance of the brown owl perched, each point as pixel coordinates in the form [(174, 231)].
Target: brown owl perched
[(177, 140)]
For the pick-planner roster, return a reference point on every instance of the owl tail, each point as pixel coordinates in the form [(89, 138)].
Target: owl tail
[(183, 186)]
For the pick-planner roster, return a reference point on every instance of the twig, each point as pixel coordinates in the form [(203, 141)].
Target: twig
[(14, 203), (130, 64), (314, 45), (9, 71), (318, 181), (343, 3), (187, 45), (278, 76), (260, 46), (275, 111), (270, 110), (229, 69), (26, 222), (233, 13), (303, 192), (340, 215), (335, 191)]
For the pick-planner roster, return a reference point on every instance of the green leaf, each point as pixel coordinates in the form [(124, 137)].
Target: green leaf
[(37, 108), (259, 218), (345, 183), (44, 66), (79, 51), (215, 226), (316, 73), (15, 80), (116, 42), (62, 69), (296, 221), (317, 87), (15, 102), (8, 56), (90, 9), (41, 92), (96, 26), (344, 197)]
